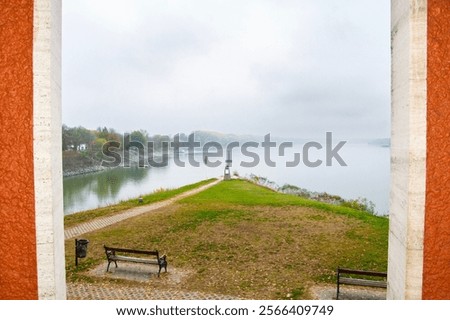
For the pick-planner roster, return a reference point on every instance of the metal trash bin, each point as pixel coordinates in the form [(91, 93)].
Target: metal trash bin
[(81, 246)]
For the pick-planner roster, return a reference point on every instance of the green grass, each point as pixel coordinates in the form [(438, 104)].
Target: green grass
[(244, 240), (76, 218), (246, 193)]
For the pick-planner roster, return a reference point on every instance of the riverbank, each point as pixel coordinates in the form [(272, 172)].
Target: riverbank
[(142, 201), (239, 239), (81, 171), (78, 163)]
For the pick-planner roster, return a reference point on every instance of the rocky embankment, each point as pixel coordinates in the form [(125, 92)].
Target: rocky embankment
[(78, 171), (76, 163)]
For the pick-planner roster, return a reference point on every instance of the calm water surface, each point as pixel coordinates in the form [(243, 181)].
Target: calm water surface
[(366, 175)]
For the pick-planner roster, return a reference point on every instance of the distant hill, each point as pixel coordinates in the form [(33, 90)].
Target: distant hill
[(223, 138), (381, 142)]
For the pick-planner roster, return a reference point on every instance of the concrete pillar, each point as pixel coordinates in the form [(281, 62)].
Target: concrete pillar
[(31, 210), (419, 237), (408, 149), (48, 150)]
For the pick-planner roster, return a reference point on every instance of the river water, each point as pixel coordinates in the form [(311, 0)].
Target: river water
[(366, 175)]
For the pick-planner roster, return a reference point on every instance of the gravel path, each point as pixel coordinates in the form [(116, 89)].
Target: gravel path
[(100, 223)]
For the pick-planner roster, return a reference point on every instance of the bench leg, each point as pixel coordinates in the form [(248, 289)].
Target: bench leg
[(159, 271), (162, 265), (337, 293), (337, 285), (109, 262)]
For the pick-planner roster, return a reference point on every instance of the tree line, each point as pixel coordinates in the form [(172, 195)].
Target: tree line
[(82, 139)]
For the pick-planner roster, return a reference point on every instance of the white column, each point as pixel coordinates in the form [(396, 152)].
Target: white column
[(408, 149), (47, 149)]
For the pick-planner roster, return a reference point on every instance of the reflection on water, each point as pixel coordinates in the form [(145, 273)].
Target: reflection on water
[(111, 186), (105, 185), (366, 175)]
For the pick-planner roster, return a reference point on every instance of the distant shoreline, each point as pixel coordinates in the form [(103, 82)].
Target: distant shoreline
[(84, 170)]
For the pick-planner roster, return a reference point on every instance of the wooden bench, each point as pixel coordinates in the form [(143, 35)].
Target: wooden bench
[(137, 256), (358, 281)]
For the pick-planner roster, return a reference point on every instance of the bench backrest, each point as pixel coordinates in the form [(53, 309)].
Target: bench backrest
[(362, 272), (123, 250)]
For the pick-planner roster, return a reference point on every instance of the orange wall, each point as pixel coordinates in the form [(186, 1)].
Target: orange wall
[(436, 278), (18, 271)]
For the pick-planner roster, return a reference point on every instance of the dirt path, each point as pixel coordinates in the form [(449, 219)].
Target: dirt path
[(103, 222)]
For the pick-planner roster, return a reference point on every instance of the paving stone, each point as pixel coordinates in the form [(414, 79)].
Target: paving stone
[(88, 291), (328, 292)]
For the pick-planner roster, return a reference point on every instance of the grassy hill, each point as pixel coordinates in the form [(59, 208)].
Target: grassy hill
[(244, 240)]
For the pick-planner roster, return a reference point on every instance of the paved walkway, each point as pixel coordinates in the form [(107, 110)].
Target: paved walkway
[(328, 292), (100, 223), (89, 291)]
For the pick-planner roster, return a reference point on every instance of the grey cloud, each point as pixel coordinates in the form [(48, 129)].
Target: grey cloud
[(188, 67)]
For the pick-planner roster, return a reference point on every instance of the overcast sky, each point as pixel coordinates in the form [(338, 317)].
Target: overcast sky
[(292, 68)]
